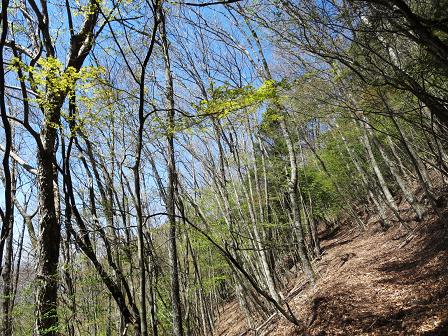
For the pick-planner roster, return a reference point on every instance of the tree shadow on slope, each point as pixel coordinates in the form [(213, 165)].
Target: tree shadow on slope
[(427, 257), (421, 268)]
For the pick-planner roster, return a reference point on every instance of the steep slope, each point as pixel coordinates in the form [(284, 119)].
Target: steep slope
[(370, 283)]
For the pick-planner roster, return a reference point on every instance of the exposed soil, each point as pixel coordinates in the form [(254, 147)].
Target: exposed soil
[(370, 283)]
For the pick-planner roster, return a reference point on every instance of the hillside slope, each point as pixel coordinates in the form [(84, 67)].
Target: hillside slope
[(370, 283)]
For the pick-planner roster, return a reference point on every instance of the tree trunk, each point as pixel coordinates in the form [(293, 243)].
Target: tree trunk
[(49, 241), (292, 191), (6, 327), (382, 182), (408, 195), (170, 200)]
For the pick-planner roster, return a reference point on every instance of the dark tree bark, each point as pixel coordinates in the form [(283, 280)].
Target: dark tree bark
[(6, 214), (49, 224), (171, 188)]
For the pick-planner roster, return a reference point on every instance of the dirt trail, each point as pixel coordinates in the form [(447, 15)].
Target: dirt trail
[(370, 283)]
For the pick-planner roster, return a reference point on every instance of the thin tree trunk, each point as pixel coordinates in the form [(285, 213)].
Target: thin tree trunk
[(365, 179), (6, 214), (292, 191), (7, 271), (7, 284), (171, 189), (408, 194), (382, 182)]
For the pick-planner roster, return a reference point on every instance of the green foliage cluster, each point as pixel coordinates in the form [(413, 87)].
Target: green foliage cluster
[(51, 81), (225, 100)]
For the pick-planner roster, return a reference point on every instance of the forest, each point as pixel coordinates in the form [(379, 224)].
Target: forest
[(224, 167)]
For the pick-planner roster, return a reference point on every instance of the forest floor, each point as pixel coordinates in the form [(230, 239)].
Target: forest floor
[(370, 283)]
